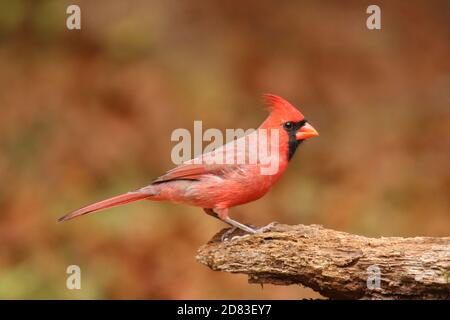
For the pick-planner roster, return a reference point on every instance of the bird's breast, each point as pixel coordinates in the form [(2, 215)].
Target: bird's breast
[(239, 186)]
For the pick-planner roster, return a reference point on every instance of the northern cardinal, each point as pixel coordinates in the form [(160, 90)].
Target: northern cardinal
[(218, 187)]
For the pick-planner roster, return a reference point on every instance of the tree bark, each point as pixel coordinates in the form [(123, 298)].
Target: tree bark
[(336, 264)]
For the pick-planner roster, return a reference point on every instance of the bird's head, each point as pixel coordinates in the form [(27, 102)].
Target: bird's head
[(291, 122)]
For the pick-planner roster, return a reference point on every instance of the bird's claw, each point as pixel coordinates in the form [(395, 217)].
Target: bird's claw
[(266, 228), (227, 235)]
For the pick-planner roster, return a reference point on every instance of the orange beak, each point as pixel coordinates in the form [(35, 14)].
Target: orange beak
[(306, 132)]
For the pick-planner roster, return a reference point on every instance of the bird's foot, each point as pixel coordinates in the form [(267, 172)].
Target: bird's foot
[(236, 233), (227, 234), (267, 228)]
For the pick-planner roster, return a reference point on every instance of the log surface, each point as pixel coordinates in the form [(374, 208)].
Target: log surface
[(336, 264)]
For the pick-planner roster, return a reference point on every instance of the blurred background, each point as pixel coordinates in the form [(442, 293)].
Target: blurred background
[(87, 114)]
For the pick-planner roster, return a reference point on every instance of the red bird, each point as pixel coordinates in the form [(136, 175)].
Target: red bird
[(217, 187)]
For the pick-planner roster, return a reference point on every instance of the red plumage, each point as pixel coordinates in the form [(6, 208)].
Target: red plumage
[(218, 187)]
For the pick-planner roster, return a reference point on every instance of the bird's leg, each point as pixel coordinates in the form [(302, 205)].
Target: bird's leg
[(210, 212), (213, 214), (266, 228), (238, 225), (222, 214)]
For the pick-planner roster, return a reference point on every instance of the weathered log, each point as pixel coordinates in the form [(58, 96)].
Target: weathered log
[(338, 265)]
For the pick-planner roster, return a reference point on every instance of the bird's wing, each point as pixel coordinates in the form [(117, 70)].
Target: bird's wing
[(219, 162), (191, 172)]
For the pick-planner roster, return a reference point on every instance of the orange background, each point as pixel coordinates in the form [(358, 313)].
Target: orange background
[(88, 114)]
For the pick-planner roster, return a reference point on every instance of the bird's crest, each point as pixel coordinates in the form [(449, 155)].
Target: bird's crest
[(281, 108)]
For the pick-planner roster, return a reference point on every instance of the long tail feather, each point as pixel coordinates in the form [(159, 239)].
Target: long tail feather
[(108, 203)]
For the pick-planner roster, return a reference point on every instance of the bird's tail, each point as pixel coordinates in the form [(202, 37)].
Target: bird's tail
[(108, 203)]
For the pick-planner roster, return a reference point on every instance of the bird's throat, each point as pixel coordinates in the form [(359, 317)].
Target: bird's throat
[(293, 145)]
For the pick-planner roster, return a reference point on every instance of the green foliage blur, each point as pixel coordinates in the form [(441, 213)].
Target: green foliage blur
[(87, 114)]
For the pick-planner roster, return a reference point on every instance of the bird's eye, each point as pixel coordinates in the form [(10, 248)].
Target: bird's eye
[(288, 125)]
